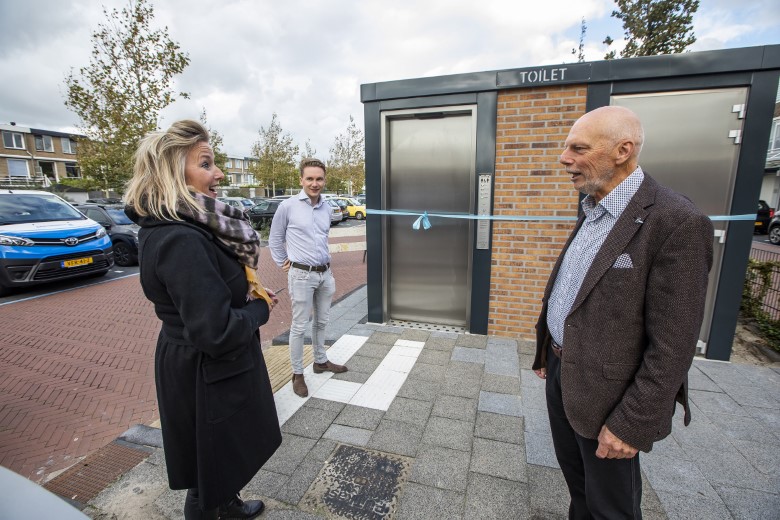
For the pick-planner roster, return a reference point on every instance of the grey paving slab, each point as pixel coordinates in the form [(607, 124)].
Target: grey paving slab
[(449, 433), (504, 404), (549, 495), (455, 407), (427, 372), (274, 513), (534, 397), (396, 437), (719, 372), (293, 490), (525, 346), (324, 404), (170, 504), (498, 340), (728, 467), (738, 427), (769, 418), (360, 330), (526, 360), (365, 364), (348, 434), (420, 389), (374, 350), (441, 467), (536, 420), (698, 380), (265, 484), (464, 371), (322, 450), (747, 504), (689, 507), (501, 384), (444, 343), (539, 449), (309, 422), (352, 376), (471, 340), (491, 498), (502, 360), (409, 410), (529, 378), (763, 456), (434, 357), (652, 509), (748, 395), (415, 335), (419, 502), (469, 355), (675, 476), (701, 432), (504, 428), (669, 447), (292, 451), (442, 334), (499, 459), (138, 490), (384, 338), (360, 417), (462, 385)]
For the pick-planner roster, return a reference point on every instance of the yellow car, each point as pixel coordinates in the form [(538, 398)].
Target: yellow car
[(355, 208)]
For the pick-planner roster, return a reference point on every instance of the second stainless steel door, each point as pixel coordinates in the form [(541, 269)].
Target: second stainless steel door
[(429, 166)]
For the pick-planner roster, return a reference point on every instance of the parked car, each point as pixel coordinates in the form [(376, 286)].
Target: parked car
[(336, 213), (241, 203), (263, 213), (354, 208), (45, 239), (763, 215), (343, 206), (109, 200), (258, 200), (281, 197), (122, 230), (774, 230)]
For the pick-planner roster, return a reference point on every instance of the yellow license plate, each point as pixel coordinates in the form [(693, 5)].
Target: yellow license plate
[(77, 262), (758, 223)]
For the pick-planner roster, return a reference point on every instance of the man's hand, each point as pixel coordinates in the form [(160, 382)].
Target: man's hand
[(610, 447), (542, 372), (286, 265)]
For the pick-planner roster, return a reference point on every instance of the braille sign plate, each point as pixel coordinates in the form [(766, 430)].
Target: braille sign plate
[(358, 484)]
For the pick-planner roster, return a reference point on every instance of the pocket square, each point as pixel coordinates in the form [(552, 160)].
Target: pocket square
[(623, 262)]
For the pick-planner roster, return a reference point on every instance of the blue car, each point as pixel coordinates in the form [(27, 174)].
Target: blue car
[(45, 239)]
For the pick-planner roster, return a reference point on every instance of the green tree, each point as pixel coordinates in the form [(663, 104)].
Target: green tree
[(275, 153), (119, 95), (347, 164), (215, 139), (654, 26)]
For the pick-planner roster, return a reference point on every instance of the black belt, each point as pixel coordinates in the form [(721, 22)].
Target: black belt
[(557, 349), (315, 268)]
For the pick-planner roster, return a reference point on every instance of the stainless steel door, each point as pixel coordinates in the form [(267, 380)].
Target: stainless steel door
[(692, 146), (428, 165)]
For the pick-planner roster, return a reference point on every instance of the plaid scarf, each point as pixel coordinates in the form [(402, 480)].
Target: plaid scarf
[(231, 229)]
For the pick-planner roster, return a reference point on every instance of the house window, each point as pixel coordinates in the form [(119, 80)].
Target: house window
[(239, 164), (13, 140), (72, 170), (18, 168), (68, 145), (774, 144), (228, 164), (44, 143)]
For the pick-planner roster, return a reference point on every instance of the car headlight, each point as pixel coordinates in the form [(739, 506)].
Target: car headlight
[(101, 232), (7, 240)]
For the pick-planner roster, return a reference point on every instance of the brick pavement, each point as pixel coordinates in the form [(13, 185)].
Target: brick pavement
[(77, 367)]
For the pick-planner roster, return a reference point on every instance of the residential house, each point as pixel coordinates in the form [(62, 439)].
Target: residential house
[(770, 188), (237, 170), (33, 156)]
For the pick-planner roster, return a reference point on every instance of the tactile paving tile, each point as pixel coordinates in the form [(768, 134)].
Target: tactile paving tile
[(82, 482), (426, 326)]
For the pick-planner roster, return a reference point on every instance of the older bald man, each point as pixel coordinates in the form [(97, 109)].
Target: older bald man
[(621, 315)]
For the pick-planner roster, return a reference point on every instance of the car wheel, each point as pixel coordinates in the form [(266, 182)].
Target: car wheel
[(359, 215), (124, 254), (774, 235), (335, 222)]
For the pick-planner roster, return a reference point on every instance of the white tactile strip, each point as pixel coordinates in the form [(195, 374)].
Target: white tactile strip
[(377, 392), (287, 403)]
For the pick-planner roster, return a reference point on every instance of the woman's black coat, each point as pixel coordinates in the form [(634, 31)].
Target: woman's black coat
[(217, 409)]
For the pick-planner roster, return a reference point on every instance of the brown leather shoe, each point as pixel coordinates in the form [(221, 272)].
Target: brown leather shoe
[(319, 368), (299, 385)]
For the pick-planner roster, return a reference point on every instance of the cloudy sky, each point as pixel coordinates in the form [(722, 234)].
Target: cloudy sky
[(306, 59)]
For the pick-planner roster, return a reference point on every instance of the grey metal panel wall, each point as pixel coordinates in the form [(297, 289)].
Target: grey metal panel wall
[(373, 224)]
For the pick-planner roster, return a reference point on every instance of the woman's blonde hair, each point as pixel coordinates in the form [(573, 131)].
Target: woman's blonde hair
[(158, 186)]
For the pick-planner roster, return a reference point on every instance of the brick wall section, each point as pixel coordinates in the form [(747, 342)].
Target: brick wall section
[(532, 125)]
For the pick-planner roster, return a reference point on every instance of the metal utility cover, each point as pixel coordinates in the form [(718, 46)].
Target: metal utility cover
[(358, 484)]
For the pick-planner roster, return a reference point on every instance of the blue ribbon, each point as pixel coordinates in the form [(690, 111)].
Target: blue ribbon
[(423, 218)]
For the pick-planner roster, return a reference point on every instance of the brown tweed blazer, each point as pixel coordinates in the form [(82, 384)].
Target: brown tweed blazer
[(631, 334)]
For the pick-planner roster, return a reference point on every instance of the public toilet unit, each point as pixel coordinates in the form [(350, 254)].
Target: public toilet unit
[(478, 153)]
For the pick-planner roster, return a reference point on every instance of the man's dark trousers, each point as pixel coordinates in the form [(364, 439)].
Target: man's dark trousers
[(613, 487)]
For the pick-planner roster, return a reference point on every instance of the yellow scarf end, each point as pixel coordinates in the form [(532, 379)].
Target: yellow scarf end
[(256, 290)]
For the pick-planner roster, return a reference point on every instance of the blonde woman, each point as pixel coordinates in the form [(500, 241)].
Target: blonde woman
[(197, 260)]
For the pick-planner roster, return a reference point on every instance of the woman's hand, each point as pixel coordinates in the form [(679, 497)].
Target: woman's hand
[(274, 298)]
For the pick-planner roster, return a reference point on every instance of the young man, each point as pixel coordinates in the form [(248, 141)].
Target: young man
[(302, 223), (620, 316)]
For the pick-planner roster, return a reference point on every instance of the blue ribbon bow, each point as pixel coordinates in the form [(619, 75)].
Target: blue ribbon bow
[(425, 222)]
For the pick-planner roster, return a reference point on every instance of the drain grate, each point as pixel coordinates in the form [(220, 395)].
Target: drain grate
[(85, 480), (427, 326), (358, 484)]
